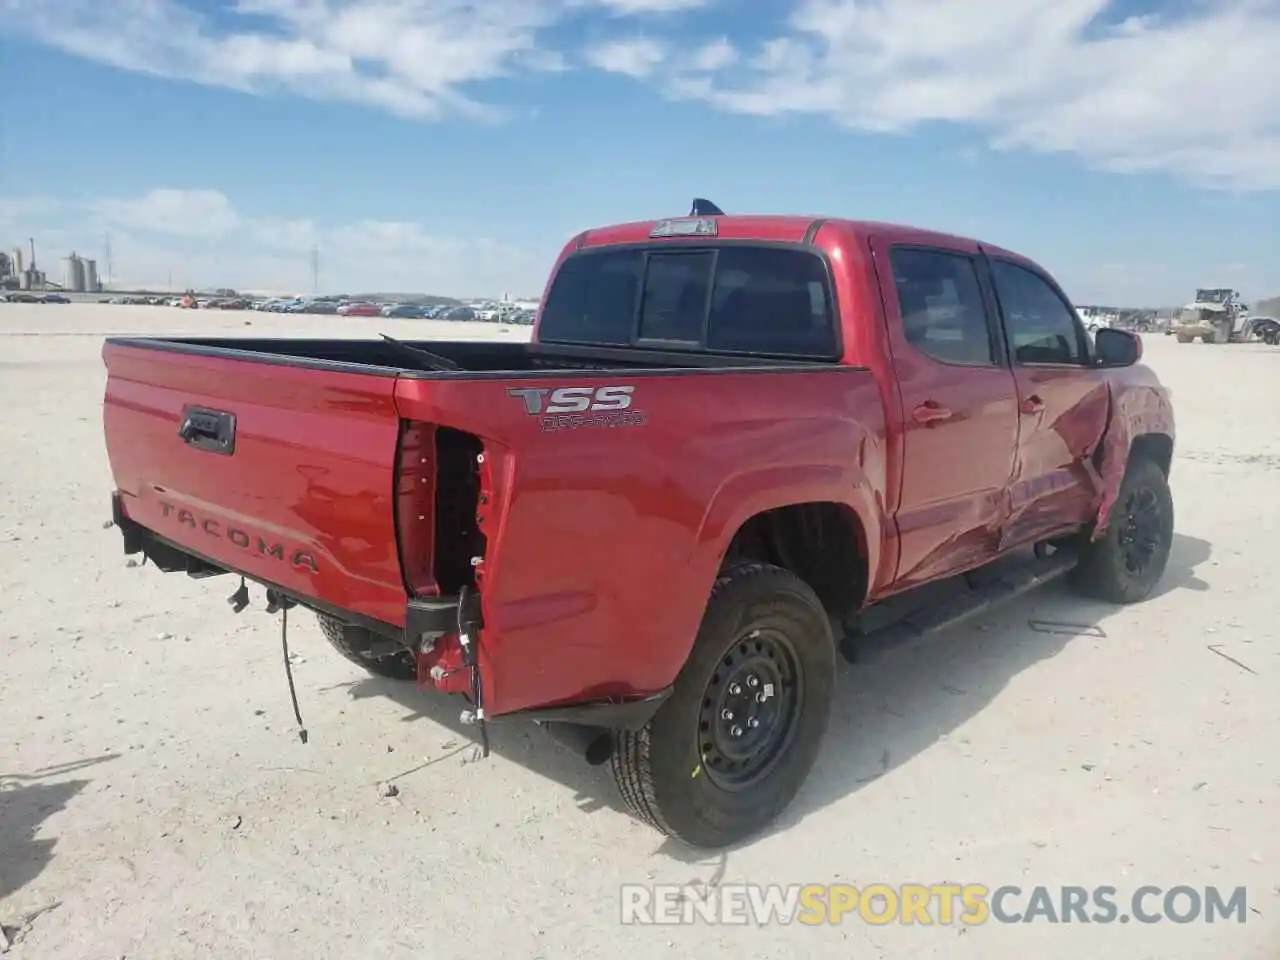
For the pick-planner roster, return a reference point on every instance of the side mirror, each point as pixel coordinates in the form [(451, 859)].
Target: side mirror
[(1117, 348)]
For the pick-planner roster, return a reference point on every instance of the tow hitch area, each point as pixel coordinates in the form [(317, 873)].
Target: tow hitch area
[(445, 633)]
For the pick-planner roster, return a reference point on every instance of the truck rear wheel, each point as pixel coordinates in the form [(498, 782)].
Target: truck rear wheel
[(1125, 565), (729, 750), (398, 666)]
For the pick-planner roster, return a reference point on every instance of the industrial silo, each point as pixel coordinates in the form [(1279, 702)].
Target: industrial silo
[(90, 276), (73, 274)]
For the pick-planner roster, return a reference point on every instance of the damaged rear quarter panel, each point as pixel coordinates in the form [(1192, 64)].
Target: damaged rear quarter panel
[(604, 541)]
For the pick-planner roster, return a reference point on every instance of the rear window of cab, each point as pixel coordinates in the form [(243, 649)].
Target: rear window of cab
[(738, 298)]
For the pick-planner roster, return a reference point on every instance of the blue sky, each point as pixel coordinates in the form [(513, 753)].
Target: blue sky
[(453, 146)]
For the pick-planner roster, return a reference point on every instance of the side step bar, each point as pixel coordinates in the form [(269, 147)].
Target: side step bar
[(899, 621)]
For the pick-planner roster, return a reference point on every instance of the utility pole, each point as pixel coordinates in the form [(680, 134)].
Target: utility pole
[(315, 270)]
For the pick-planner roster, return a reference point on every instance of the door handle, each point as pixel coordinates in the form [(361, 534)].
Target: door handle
[(930, 412), (1032, 405), (210, 430)]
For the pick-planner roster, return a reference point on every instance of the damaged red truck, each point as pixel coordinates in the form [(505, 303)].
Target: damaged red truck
[(654, 527)]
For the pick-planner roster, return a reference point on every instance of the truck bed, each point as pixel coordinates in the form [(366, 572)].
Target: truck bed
[(491, 357)]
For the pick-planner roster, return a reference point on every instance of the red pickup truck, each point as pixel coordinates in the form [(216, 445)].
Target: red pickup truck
[(654, 527)]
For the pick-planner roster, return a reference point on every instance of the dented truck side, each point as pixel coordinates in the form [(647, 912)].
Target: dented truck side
[(727, 434)]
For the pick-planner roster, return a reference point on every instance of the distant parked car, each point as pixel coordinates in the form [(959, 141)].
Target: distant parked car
[(55, 298), (319, 306), (23, 298), (1268, 328), (405, 310), (458, 313), (360, 310)]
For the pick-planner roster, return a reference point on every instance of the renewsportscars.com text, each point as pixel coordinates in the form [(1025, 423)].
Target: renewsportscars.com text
[(939, 904)]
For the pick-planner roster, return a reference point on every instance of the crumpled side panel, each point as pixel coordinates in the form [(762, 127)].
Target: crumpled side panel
[(1054, 481), (1137, 408)]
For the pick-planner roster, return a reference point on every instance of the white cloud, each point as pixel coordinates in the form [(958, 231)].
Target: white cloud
[(204, 213), (410, 58), (1195, 95), (633, 7), (1192, 91), (633, 58), (197, 237), (716, 55)]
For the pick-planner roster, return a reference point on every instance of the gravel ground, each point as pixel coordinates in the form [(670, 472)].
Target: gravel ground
[(155, 801)]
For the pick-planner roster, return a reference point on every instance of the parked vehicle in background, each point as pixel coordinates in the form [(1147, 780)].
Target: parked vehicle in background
[(55, 298), (1217, 315), (412, 311), (1095, 318), (457, 313), (1267, 329), (21, 297), (727, 434), (360, 310), (318, 306)]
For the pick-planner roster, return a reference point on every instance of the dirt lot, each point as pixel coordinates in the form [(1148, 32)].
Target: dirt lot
[(154, 794)]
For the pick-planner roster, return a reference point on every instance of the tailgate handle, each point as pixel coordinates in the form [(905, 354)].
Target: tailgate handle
[(211, 430)]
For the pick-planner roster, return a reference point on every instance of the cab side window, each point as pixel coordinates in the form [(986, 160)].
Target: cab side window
[(944, 315), (1041, 328)]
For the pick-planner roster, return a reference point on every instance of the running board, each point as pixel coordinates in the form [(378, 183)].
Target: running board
[(899, 621)]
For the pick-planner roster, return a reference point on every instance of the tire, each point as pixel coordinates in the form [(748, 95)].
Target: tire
[(1119, 570), (1182, 339), (763, 626), (399, 666)]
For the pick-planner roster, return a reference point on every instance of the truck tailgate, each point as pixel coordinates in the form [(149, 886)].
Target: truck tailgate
[(283, 472)]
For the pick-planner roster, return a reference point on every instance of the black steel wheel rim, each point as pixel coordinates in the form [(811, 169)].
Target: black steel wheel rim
[(1140, 530), (750, 710)]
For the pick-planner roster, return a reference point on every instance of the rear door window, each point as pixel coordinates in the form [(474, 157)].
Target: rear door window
[(732, 299), (940, 301)]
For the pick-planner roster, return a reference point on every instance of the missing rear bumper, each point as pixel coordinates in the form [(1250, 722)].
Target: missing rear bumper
[(431, 617), (426, 619)]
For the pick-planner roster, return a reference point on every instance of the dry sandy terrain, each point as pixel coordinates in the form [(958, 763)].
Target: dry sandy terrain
[(153, 788)]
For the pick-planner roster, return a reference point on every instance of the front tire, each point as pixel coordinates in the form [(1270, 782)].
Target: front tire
[(729, 750), (1127, 562)]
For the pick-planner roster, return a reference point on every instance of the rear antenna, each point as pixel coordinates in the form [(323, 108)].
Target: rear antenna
[(705, 208)]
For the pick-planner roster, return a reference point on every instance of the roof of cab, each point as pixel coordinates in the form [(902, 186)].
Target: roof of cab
[(776, 229)]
